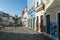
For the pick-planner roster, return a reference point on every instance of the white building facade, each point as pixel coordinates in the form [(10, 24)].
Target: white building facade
[(24, 17)]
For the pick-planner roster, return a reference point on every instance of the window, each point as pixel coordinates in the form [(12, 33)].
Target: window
[(41, 1), (37, 4)]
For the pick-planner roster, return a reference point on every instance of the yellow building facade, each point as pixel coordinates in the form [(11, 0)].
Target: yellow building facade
[(52, 19), (41, 7)]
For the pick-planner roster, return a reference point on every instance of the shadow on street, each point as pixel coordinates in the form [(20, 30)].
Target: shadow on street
[(22, 36)]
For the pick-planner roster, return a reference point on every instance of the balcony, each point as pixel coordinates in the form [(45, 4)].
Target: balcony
[(40, 7)]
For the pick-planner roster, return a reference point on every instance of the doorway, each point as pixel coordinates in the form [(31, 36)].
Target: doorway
[(48, 23), (33, 22), (41, 24), (59, 25), (37, 27)]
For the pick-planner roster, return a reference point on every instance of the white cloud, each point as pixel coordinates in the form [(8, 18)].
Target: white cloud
[(1, 9)]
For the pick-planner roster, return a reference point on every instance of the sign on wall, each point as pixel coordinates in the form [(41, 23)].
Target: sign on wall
[(53, 29)]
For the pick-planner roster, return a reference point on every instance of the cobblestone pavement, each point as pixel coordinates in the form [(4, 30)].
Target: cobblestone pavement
[(21, 33)]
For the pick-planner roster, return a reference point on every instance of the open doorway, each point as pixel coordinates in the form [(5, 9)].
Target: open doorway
[(48, 23)]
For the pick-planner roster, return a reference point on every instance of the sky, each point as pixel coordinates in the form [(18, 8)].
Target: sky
[(13, 6)]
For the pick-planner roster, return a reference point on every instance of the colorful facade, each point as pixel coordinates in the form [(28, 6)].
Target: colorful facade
[(52, 19), (31, 13), (39, 8), (46, 14)]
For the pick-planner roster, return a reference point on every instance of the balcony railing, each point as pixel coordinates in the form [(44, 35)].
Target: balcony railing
[(31, 9), (40, 7)]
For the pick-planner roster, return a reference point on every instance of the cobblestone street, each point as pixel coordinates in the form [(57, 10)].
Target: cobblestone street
[(21, 33)]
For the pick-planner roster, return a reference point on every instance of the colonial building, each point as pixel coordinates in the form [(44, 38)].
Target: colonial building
[(39, 8), (44, 16), (20, 21), (24, 17), (6, 18), (10, 20), (31, 13), (52, 19)]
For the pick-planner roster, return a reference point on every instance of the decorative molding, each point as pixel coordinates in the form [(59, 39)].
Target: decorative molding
[(40, 7)]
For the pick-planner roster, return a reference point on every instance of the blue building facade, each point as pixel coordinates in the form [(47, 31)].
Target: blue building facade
[(31, 13)]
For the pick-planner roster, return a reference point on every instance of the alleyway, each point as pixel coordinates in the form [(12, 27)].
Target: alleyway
[(21, 33)]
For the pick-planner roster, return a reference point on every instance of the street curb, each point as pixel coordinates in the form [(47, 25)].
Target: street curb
[(49, 35), (32, 30)]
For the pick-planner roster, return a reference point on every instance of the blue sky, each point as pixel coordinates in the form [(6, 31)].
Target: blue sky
[(13, 6)]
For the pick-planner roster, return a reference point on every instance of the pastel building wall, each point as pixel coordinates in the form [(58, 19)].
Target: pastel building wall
[(54, 12), (31, 13), (39, 14)]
